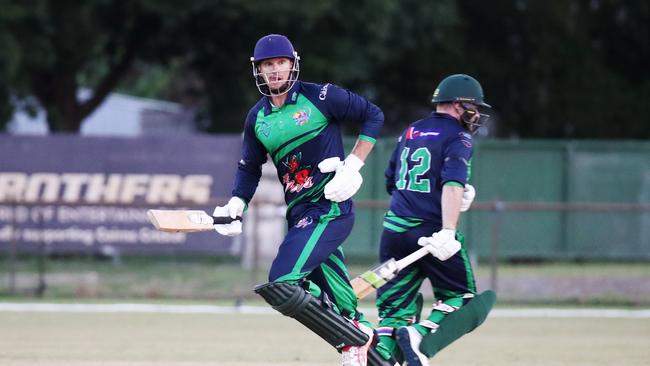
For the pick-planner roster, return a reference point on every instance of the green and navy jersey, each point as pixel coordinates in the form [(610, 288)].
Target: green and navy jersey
[(432, 152), (299, 135)]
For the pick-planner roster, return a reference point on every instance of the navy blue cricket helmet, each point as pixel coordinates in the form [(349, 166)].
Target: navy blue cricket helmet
[(271, 46), (274, 46)]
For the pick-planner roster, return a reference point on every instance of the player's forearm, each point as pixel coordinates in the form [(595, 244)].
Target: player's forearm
[(362, 149), (452, 197)]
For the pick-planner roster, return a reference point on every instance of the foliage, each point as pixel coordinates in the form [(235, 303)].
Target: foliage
[(55, 44), (567, 68), (563, 68)]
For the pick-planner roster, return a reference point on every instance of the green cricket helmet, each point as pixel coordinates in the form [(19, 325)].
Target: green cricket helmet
[(459, 88), (465, 90)]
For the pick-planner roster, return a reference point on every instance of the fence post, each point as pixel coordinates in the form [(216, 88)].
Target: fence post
[(256, 245), (497, 218), (12, 251)]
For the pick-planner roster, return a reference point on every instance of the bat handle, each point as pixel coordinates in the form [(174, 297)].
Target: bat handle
[(411, 258), (220, 220)]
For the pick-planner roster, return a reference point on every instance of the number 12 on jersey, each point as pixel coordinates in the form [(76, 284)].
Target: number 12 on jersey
[(412, 179)]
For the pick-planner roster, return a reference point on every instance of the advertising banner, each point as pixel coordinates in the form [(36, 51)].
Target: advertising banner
[(69, 194)]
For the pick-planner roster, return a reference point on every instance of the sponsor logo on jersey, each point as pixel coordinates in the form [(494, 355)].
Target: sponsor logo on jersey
[(412, 133), (297, 177), (465, 139), (265, 128), (301, 117), (323, 92), (304, 222)]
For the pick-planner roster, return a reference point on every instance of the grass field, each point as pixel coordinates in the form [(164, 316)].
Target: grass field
[(214, 279), (148, 339)]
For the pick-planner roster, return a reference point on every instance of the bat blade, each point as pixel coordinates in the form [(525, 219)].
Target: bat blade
[(180, 221), (367, 282)]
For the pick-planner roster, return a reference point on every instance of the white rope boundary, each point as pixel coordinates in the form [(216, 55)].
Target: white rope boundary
[(214, 309)]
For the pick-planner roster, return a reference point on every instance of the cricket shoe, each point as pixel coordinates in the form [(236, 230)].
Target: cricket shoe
[(409, 339), (357, 355)]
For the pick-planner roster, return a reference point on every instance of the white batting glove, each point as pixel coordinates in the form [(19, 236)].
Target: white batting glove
[(347, 179), (329, 165), (442, 244), (234, 207), (468, 197)]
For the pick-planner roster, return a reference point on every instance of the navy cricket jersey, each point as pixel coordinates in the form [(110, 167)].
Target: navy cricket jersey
[(431, 152), (298, 136)]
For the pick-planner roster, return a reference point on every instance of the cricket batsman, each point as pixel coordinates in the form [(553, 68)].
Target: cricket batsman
[(427, 178), (298, 124)]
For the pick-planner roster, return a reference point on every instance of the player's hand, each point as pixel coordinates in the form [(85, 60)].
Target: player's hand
[(234, 207), (468, 197), (347, 179), (442, 244)]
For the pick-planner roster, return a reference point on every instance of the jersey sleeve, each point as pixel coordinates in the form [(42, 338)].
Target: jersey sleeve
[(457, 156), (389, 173), (249, 169), (344, 105)]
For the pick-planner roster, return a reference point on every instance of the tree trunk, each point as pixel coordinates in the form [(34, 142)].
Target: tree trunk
[(58, 93)]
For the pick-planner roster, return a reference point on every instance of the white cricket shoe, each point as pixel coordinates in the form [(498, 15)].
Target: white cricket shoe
[(357, 355), (409, 339)]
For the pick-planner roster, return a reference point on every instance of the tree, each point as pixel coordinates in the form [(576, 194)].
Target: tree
[(57, 43), (562, 69), (335, 38), (386, 50), (567, 68), (8, 64)]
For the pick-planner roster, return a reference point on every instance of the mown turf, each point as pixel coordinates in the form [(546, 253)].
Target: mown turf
[(96, 339)]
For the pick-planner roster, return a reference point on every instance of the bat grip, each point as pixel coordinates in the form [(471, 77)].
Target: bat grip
[(411, 258), (220, 220)]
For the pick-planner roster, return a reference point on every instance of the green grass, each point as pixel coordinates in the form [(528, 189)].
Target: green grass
[(75, 339), (570, 269), (223, 280), (136, 277)]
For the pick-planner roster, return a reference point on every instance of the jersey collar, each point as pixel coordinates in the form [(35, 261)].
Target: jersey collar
[(443, 115), (292, 98)]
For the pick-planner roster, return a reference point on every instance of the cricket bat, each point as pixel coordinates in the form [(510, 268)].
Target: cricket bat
[(185, 221), (369, 281)]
